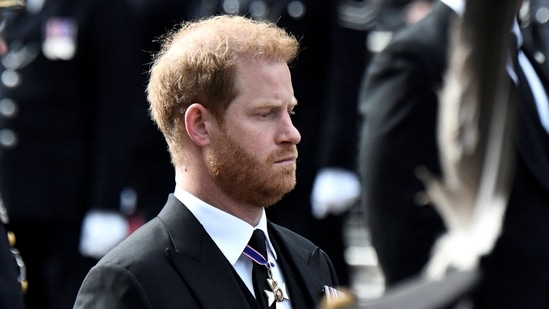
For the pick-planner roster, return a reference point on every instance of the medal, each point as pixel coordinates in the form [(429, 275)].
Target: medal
[(277, 293)]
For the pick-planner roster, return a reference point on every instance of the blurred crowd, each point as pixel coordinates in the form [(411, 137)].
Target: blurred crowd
[(82, 165)]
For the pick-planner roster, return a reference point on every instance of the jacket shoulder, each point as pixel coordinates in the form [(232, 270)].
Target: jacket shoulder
[(294, 237)]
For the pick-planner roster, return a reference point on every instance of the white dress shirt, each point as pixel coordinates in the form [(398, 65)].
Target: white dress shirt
[(231, 235)]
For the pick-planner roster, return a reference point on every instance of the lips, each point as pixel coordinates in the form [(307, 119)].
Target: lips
[(286, 157)]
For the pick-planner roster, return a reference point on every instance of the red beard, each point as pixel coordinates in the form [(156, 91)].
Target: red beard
[(242, 176)]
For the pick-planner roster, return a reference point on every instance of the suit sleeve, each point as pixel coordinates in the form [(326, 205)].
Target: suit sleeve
[(110, 286), (399, 108)]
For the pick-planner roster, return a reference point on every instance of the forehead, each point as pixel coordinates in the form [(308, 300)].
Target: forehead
[(264, 80)]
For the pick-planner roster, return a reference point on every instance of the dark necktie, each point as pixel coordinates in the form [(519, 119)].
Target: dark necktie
[(260, 272)]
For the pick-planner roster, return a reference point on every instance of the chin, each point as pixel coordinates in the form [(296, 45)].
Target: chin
[(282, 189)]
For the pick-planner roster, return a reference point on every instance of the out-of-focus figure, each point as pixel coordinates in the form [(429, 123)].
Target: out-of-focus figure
[(399, 109), (12, 281), (63, 105)]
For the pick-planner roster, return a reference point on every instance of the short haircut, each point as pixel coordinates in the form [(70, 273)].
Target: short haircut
[(197, 64)]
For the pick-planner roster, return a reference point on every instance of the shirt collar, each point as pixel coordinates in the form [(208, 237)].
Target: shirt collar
[(231, 234)]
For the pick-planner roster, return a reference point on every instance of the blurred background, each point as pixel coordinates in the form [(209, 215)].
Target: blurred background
[(82, 165)]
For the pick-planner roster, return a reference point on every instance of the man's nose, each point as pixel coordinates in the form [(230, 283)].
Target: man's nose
[(289, 133)]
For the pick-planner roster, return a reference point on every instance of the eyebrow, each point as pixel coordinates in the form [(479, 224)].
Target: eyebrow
[(292, 103)]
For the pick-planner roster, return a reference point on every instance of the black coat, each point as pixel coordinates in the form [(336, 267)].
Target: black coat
[(399, 108), (171, 262)]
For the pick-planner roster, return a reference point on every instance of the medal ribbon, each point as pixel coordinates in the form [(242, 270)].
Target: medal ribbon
[(277, 293), (257, 257)]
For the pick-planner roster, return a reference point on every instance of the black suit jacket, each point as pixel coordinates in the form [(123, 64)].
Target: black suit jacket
[(171, 262), (399, 109)]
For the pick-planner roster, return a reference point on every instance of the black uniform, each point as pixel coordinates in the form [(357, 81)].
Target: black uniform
[(63, 101)]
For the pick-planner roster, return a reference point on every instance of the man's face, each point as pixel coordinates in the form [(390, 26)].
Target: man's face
[(253, 153)]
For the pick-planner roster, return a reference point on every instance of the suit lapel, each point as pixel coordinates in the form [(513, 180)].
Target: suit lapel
[(198, 260), (303, 278)]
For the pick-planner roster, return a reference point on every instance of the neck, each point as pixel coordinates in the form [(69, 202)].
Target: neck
[(210, 193)]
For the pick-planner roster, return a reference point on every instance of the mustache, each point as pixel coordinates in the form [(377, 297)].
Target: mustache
[(283, 154)]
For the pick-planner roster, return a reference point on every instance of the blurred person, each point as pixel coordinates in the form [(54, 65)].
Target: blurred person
[(220, 91), (399, 109), (63, 106), (326, 80), (151, 176), (335, 187), (11, 291), (398, 106)]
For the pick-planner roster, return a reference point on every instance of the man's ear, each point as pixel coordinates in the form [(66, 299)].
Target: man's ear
[(196, 119)]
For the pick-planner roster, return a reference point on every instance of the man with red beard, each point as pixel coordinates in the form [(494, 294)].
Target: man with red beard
[(220, 91)]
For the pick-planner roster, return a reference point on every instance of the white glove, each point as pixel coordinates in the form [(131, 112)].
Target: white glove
[(335, 190), (101, 231)]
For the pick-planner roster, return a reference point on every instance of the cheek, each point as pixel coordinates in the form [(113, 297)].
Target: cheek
[(253, 139), (253, 143)]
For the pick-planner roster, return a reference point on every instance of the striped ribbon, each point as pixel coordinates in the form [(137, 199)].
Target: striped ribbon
[(257, 257)]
